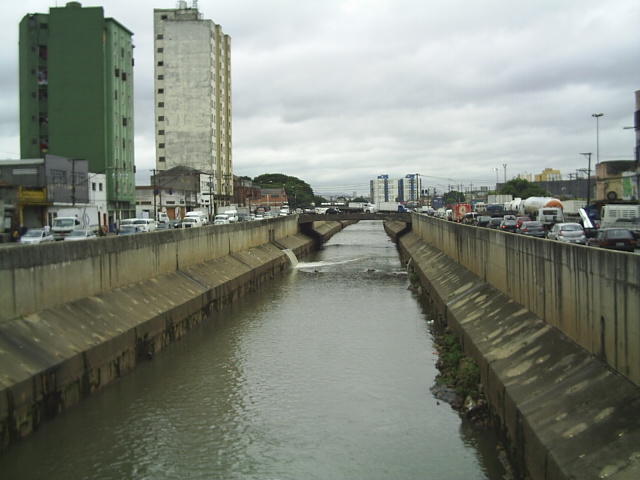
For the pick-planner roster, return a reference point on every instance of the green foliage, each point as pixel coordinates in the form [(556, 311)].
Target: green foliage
[(456, 369), (519, 187), (318, 200), (453, 196), (299, 192)]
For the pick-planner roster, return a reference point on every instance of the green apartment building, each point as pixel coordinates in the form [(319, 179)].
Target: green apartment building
[(76, 95)]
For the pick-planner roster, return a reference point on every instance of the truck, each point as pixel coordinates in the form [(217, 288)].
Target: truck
[(359, 207), (355, 206), (391, 207), (458, 211), (546, 210), (621, 216), (67, 220), (499, 199)]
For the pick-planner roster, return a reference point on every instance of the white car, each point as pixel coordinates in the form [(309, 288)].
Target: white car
[(221, 219), (79, 235), (36, 235)]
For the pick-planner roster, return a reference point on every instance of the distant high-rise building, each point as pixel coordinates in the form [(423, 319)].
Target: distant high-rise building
[(384, 189), (548, 175), (193, 96), (76, 95)]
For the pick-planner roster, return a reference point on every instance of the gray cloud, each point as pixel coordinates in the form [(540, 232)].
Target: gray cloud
[(340, 91)]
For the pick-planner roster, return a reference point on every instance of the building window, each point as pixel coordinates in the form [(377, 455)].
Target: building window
[(58, 177), (93, 186), (124, 121), (161, 159), (117, 72), (164, 17), (161, 63), (100, 186), (160, 50), (161, 90), (160, 77), (160, 36), (161, 104), (161, 118), (160, 132), (161, 145), (124, 76)]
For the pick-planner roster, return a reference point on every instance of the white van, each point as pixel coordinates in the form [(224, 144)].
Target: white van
[(198, 214), (146, 224), (221, 219), (233, 215)]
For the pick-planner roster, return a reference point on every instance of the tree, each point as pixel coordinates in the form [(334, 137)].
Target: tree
[(299, 192), (521, 188), (453, 196)]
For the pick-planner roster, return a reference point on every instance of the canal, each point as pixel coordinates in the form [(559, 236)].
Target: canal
[(324, 373)]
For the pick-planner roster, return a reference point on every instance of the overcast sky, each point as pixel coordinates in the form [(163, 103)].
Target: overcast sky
[(337, 92)]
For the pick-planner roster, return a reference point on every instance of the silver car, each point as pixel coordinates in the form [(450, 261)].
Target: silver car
[(36, 235), (568, 232)]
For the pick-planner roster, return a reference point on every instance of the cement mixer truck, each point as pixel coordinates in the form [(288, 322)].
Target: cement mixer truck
[(546, 210)]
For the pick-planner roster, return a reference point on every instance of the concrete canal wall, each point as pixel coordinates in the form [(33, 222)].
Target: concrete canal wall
[(565, 414), (77, 316), (591, 295)]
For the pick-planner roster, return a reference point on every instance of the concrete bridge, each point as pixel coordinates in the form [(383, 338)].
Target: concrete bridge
[(554, 328), (339, 217)]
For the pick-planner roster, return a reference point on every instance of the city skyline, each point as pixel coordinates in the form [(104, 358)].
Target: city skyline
[(339, 93)]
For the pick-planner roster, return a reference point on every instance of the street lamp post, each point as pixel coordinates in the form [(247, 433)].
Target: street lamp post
[(597, 117)]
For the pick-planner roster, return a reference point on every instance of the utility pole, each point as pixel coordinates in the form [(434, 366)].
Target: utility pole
[(505, 172), (597, 117), (588, 155), (155, 208)]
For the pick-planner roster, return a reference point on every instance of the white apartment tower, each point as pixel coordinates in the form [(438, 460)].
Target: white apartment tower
[(192, 80)]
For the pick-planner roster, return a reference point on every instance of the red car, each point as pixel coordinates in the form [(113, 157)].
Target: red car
[(519, 221)]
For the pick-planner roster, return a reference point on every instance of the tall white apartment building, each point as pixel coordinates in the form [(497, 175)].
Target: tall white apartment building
[(383, 189), (192, 80)]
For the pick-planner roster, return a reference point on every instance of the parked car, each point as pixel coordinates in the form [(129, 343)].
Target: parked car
[(175, 223), (130, 229), (79, 235), (519, 221), (495, 222), (508, 225), (568, 232), (332, 211), (163, 226), (614, 239), (532, 229), (483, 221), (36, 235)]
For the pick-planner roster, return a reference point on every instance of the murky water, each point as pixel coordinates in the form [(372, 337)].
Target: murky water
[(322, 374)]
